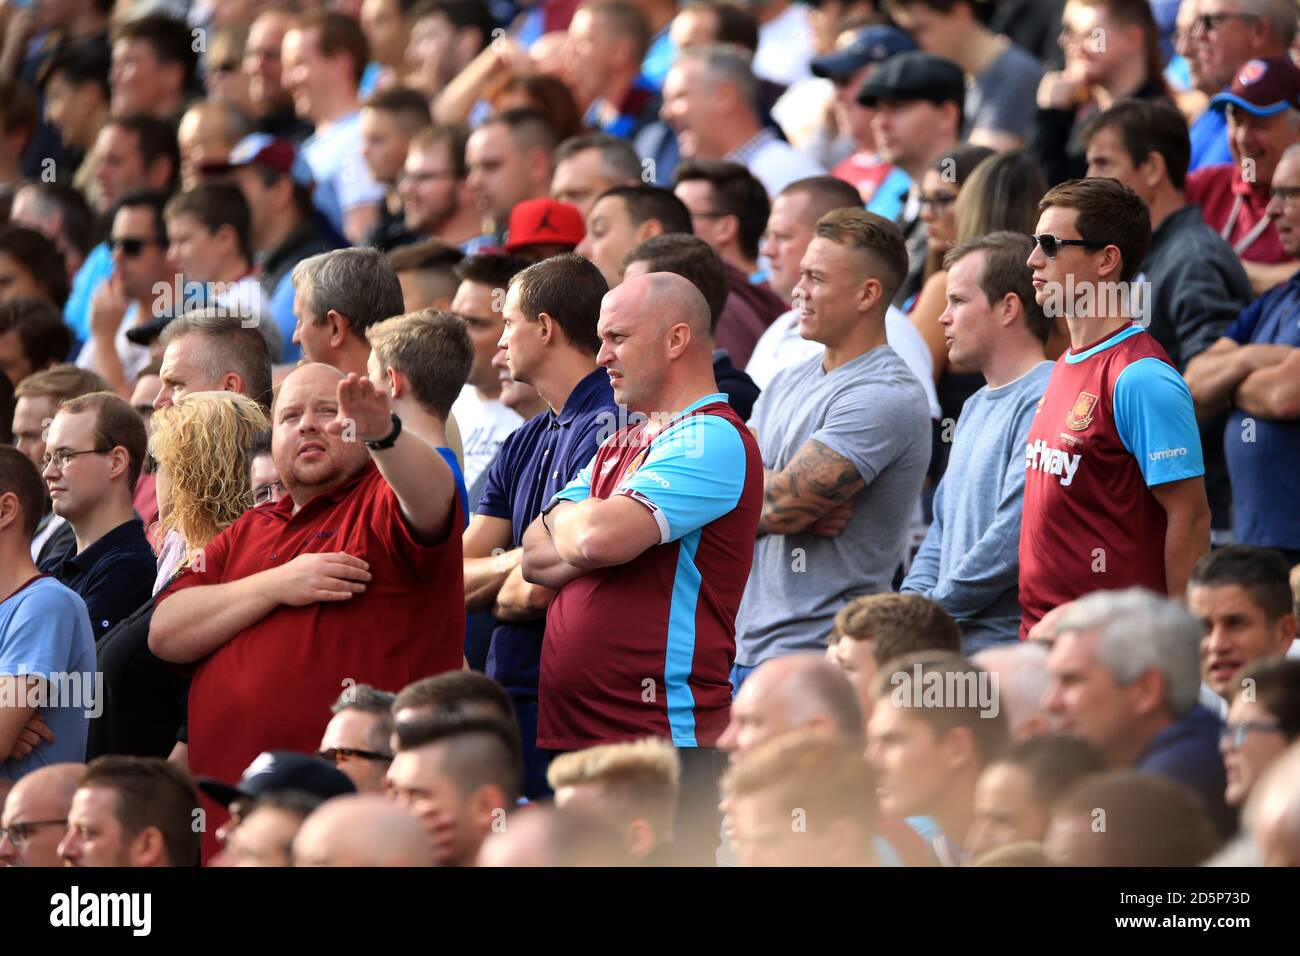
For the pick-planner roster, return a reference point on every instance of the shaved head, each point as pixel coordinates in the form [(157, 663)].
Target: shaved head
[(656, 343), (309, 460), (362, 830), (43, 794)]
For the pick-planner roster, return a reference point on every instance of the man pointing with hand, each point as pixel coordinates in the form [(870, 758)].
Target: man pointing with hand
[(331, 587)]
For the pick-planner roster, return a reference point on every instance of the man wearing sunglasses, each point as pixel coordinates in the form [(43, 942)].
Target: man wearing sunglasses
[(1115, 488), (1226, 34), (126, 300)]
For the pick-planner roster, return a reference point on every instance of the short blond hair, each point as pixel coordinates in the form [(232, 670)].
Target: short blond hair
[(204, 442), (880, 240), (824, 775), (429, 347), (640, 778), (898, 624)]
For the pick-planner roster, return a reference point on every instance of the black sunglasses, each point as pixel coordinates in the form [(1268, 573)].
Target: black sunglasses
[(333, 754), (132, 246), (1051, 245)]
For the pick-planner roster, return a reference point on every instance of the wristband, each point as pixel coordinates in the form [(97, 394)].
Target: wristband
[(391, 440)]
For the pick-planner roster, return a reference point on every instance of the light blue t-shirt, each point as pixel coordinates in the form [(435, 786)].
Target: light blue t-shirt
[(96, 268), (45, 632), (343, 180), (888, 199), (968, 562)]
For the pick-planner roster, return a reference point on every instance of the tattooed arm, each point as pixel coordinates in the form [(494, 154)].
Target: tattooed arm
[(811, 493)]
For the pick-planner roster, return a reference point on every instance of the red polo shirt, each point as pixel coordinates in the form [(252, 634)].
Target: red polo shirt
[(271, 686), (1217, 189)]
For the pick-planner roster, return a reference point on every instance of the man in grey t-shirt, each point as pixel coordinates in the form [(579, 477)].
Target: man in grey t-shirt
[(1002, 79), (845, 439)]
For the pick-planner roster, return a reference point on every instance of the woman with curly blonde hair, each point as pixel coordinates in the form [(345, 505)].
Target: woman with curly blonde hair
[(202, 446)]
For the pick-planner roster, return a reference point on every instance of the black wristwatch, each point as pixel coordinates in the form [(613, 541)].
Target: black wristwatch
[(391, 440)]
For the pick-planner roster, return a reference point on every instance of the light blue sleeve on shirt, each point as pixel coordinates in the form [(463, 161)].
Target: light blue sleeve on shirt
[(579, 489), (1156, 421), (887, 200), (694, 474), (97, 267)]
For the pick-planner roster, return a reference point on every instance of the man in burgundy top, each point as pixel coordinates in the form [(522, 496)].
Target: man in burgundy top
[(1263, 107), (1114, 483), (354, 576), (649, 548)]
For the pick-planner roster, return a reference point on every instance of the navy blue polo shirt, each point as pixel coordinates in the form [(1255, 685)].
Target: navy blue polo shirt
[(1263, 455), (114, 576), (539, 458)]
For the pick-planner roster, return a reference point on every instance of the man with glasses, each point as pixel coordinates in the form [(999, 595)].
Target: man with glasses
[(389, 121), (1254, 372), (35, 816), (94, 453), (1115, 488), (1226, 34), (127, 300), (357, 738), (45, 642), (1263, 723), (1263, 111)]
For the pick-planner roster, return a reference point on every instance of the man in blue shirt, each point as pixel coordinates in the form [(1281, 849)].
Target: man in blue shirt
[(94, 453), (47, 654), (1254, 370), (550, 339)]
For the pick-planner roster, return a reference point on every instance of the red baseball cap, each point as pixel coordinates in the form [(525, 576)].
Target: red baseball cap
[(1263, 87), (536, 222)]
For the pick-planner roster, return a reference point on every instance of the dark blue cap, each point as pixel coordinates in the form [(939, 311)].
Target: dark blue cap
[(871, 45)]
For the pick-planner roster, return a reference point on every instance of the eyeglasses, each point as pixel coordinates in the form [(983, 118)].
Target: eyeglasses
[(19, 833), (264, 493), (1051, 245), (1284, 193), (938, 200), (132, 246), (1235, 734), (1212, 21), (336, 755), (60, 458)]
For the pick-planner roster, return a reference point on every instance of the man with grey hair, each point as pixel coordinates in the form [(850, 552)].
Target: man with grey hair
[(586, 166), (1228, 35), (1125, 676), (1023, 681), (710, 101), (356, 740), (1263, 118), (338, 295), (1273, 811), (211, 351)]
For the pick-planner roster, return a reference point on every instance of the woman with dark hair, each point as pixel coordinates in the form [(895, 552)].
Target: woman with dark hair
[(1112, 52), (31, 265)]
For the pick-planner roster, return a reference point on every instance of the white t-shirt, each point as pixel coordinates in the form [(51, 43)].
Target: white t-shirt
[(777, 164), (484, 425), (134, 358), (785, 47), (343, 180), (782, 346)]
